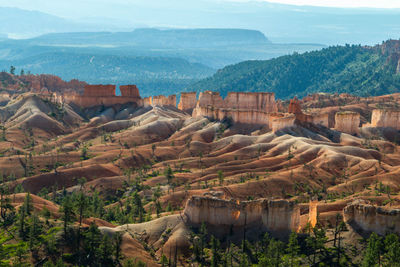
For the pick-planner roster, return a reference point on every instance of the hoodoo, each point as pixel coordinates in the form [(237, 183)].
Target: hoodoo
[(369, 218), (188, 102), (279, 217), (386, 118), (347, 122)]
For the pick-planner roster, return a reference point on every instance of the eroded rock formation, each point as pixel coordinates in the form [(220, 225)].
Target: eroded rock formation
[(385, 118), (277, 216), (129, 91), (368, 218), (347, 122), (162, 100), (246, 108), (188, 102), (251, 101), (281, 121), (104, 95), (99, 90)]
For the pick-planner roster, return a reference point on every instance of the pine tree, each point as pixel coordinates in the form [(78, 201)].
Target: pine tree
[(67, 214), (215, 246), (373, 252), (106, 251), (117, 248), (293, 249), (392, 248)]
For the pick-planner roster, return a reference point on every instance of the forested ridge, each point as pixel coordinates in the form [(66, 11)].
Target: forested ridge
[(338, 69)]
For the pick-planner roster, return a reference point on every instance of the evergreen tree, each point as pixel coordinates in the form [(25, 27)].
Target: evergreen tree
[(67, 214), (392, 248), (373, 253), (293, 249)]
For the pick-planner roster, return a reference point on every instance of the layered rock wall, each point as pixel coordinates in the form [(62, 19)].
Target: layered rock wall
[(188, 102), (246, 108), (99, 90), (147, 101), (347, 122), (385, 118), (282, 121), (370, 218), (162, 100), (104, 95), (278, 216), (252, 101), (129, 91)]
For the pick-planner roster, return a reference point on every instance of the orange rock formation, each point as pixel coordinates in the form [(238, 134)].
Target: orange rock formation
[(385, 118), (97, 95), (99, 90), (162, 100), (247, 108), (347, 122), (372, 219), (280, 217), (188, 102), (129, 90)]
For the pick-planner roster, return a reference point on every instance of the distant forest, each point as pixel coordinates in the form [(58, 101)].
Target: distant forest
[(340, 69)]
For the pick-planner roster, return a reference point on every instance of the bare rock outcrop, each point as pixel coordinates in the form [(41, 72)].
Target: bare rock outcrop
[(162, 100), (188, 102), (99, 90), (282, 121), (129, 91), (277, 216), (368, 218), (347, 122), (246, 108), (251, 101), (386, 118)]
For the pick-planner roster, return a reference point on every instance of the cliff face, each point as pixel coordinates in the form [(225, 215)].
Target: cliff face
[(347, 122), (188, 102), (162, 100), (98, 95), (372, 219), (277, 216), (279, 122), (99, 90), (147, 101), (246, 108), (257, 101), (129, 91), (294, 106), (385, 118)]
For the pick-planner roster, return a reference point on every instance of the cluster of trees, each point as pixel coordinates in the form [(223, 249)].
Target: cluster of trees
[(311, 249), (28, 236), (338, 69)]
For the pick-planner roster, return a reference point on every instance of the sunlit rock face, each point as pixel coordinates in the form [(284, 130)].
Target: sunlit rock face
[(162, 100), (386, 118), (104, 95), (282, 121), (251, 101), (99, 90), (347, 122), (368, 218), (129, 91), (277, 216), (187, 102), (246, 108)]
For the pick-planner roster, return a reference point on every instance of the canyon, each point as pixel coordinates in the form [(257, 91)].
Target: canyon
[(243, 163)]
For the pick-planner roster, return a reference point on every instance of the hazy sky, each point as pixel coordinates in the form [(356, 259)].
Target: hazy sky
[(89, 8), (344, 3)]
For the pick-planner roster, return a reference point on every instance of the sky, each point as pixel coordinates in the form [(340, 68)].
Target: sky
[(343, 3), (88, 8)]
